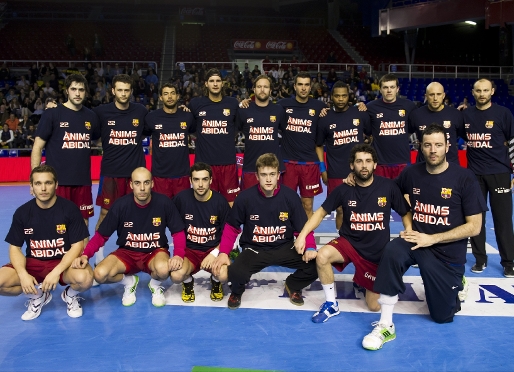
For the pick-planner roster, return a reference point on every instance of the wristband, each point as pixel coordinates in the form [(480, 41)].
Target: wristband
[(310, 249), (322, 167), (215, 252)]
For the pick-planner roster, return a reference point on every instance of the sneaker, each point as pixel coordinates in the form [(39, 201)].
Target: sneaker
[(478, 268), (188, 291), (34, 306), (358, 288), (158, 299), (234, 301), (295, 297), (379, 336), (508, 272), (464, 293), (129, 296), (216, 290), (327, 310), (74, 309)]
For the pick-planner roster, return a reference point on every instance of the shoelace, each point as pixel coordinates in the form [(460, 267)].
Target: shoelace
[(74, 304), (158, 290), (377, 328), (30, 301)]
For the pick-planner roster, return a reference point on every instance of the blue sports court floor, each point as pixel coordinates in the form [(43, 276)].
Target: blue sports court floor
[(266, 333)]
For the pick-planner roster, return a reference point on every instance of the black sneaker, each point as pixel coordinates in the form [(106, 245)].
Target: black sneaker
[(188, 291), (234, 301), (508, 272), (216, 290), (295, 297), (478, 268)]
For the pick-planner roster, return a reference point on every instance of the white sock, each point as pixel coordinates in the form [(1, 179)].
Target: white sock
[(387, 307), (128, 280), (37, 295), (155, 283), (71, 292), (188, 279), (214, 278), (330, 294), (99, 256)]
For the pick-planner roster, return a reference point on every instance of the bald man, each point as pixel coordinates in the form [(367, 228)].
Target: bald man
[(140, 220), (435, 111)]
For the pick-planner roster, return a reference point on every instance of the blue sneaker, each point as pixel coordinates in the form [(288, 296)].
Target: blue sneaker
[(327, 310)]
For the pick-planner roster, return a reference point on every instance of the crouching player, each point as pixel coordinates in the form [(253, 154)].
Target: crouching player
[(140, 220), (364, 233), (54, 231)]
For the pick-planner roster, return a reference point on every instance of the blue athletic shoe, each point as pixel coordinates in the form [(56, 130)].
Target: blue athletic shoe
[(326, 311)]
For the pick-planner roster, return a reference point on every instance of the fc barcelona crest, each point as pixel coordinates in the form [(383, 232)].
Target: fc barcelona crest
[(61, 229), (87, 125), (226, 112), (356, 122), (447, 124), (382, 201), (401, 113), (213, 219), (183, 125), (283, 216), (489, 124), (446, 193), (156, 221), (312, 112), (135, 122), (273, 119)]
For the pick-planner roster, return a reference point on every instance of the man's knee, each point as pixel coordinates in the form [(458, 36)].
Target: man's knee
[(325, 255), (307, 203), (178, 276), (161, 268), (441, 318), (102, 272), (81, 277)]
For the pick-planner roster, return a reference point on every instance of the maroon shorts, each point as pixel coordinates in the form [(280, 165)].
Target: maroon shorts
[(39, 269), (196, 257), (111, 189), (225, 181), (136, 262), (389, 171), (365, 271), (248, 179), (170, 186), (305, 177), (80, 195), (333, 183)]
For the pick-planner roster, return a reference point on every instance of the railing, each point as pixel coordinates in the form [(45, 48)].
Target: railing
[(451, 71), (15, 63)]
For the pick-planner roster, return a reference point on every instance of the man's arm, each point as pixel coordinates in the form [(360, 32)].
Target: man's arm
[(311, 224), (407, 222), (322, 167), (470, 228), (28, 282), (35, 157), (52, 277)]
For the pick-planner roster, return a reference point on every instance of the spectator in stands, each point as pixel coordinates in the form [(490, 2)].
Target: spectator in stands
[(39, 108), (54, 83), (375, 88), (151, 91), (6, 137), (22, 83), (22, 95), (42, 69), (284, 92), (33, 73), (70, 44), (47, 89), (255, 72), (108, 73), (15, 107), (26, 122), (108, 97), (331, 57), (187, 76), (100, 88), (19, 138), (30, 135), (87, 54), (464, 104), (273, 74), (140, 87), (89, 71), (12, 122), (99, 70), (10, 94), (363, 74), (5, 73), (53, 69), (4, 113), (116, 71)]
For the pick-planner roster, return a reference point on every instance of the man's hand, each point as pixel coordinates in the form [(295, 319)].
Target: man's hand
[(207, 262), (184, 108), (245, 103), (50, 282), (221, 260), (324, 112), (175, 263), (324, 178), (309, 255), (28, 284), (361, 106), (80, 262), (421, 240), (350, 180), (299, 244)]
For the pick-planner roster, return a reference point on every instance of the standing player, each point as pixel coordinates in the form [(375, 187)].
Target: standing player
[(54, 231), (389, 128), (435, 111), (169, 128), (447, 207), (260, 123), (271, 215), (121, 124), (341, 129), (215, 117), (364, 233), (488, 128), (203, 212), (304, 160), (140, 221), (66, 133)]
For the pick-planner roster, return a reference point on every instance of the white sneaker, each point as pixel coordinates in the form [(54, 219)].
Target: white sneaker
[(158, 299), (464, 293), (129, 296), (74, 309), (34, 306), (379, 336)]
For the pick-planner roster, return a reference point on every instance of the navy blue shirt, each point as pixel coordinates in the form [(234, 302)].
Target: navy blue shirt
[(203, 220), (487, 132), (340, 131), (170, 151), (48, 233), (68, 135), (441, 202), (367, 214)]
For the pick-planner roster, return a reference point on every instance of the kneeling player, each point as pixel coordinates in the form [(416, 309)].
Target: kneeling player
[(140, 221), (54, 231), (271, 214), (364, 232), (203, 212)]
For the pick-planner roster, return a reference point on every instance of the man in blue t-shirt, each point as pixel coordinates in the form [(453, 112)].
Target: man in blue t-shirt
[(447, 207)]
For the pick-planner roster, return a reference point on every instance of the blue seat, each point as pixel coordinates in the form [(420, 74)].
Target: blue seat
[(13, 153)]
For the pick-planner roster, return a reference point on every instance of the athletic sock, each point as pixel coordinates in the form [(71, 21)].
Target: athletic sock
[(330, 294), (99, 256), (155, 283), (387, 307), (127, 280), (71, 292), (39, 294), (188, 279)]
